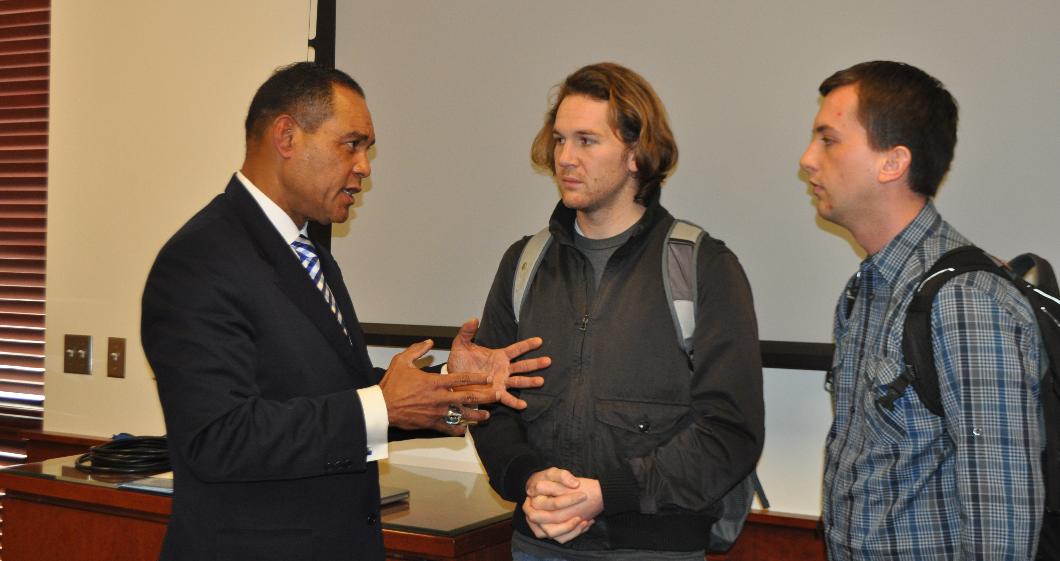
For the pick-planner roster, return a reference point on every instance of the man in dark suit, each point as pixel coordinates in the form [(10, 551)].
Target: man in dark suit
[(274, 413)]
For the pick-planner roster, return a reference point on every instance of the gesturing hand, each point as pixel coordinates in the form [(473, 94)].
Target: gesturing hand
[(416, 399), (466, 356)]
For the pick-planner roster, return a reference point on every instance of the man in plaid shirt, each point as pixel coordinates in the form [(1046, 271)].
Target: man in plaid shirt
[(902, 483)]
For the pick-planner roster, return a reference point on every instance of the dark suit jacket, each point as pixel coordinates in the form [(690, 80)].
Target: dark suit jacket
[(257, 383)]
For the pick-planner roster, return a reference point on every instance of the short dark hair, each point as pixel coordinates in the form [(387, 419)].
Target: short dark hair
[(637, 117), (901, 105), (301, 90)]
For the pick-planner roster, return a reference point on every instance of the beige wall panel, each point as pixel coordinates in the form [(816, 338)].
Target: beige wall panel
[(147, 104)]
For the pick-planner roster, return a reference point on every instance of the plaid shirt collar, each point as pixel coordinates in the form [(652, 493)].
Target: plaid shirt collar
[(891, 261)]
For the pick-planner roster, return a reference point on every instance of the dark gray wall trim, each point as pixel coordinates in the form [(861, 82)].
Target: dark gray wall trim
[(791, 355)]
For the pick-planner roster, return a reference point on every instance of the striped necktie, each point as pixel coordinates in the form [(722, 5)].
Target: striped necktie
[(307, 254)]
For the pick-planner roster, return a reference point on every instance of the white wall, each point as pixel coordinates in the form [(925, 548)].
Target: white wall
[(147, 104), (458, 90)]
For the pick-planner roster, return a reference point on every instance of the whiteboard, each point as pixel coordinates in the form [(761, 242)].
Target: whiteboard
[(459, 88)]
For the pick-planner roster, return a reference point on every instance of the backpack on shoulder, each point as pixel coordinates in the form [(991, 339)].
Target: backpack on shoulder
[(1035, 279), (680, 283)]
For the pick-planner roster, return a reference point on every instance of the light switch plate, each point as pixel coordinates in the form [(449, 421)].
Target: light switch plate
[(77, 354), (115, 357)]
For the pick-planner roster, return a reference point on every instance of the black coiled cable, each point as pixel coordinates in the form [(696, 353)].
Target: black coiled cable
[(134, 454)]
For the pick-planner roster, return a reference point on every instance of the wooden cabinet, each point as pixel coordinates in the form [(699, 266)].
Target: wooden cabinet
[(777, 537)]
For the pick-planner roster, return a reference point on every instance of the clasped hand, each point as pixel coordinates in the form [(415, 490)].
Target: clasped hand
[(561, 506), (417, 399)]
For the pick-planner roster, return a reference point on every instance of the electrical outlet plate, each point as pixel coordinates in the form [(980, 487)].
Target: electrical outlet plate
[(77, 354)]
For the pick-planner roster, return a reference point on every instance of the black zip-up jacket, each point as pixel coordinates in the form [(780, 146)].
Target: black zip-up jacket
[(620, 402)]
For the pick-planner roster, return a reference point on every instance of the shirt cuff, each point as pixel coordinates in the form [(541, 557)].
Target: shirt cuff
[(376, 422)]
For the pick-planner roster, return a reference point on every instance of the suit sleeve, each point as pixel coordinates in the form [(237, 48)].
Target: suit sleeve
[(202, 333), (501, 443), (989, 362), (700, 464)]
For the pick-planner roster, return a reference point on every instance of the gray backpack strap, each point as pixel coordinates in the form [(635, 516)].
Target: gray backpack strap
[(679, 278), (529, 261), (681, 284)]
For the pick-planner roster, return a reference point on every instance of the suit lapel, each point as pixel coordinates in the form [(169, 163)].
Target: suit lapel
[(295, 283)]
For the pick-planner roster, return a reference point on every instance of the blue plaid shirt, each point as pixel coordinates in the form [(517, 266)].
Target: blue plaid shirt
[(905, 484)]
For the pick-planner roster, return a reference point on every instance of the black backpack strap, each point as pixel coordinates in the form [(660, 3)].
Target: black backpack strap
[(917, 348), (1036, 271), (1037, 282), (1035, 279)]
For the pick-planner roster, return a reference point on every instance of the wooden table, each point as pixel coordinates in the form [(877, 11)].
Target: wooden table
[(55, 512), (449, 515), (52, 511)]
